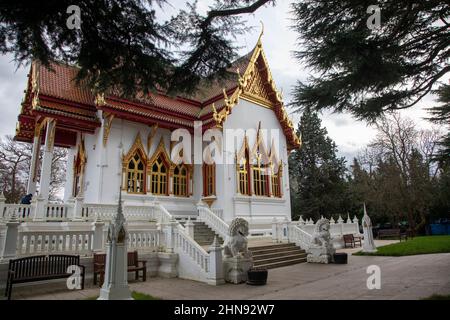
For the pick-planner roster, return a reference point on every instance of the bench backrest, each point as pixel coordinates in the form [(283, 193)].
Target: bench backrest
[(37, 266), (389, 231), (133, 258), (348, 237), (100, 259)]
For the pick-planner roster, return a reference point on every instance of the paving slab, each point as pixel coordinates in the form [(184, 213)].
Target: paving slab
[(410, 277)]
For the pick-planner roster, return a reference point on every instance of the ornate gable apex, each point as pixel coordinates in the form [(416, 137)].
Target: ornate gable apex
[(257, 84), (160, 150), (136, 147)]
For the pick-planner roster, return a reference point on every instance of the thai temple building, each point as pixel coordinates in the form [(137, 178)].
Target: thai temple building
[(192, 172), (113, 141)]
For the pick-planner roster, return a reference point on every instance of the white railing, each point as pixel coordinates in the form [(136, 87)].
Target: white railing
[(23, 212), (144, 238), (213, 221), (300, 237), (162, 215), (57, 212), (218, 212), (45, 242), (184, 244), (98, 211)]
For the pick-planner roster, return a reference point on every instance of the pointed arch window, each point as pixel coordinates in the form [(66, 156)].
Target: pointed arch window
[(134, 168), (260, 177), (159, 177), (244, 174), (209, 179), (136, 174), (276, 180), (180, 181)]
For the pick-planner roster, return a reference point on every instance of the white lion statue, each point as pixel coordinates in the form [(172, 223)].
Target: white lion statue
[(236, 244), (321, 236), (321, 249)]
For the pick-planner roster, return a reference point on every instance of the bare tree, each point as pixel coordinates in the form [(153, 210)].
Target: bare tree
[(15, 160)]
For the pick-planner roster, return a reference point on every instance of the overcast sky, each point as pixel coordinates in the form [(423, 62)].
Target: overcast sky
[(279, 42)]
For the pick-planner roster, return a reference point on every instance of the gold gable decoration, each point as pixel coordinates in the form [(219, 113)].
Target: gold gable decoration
[(257, 85), (136, 147), (255, 89)]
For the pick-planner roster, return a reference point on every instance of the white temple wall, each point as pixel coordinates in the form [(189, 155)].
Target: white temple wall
[(246, 115)]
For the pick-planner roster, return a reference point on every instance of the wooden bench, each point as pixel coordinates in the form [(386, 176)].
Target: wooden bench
[(38, 268), (352, 240), (392, 233), (134, 265)]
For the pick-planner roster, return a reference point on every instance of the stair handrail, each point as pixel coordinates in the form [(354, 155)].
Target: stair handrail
[(213, 221), (185, 244), (299, 236)]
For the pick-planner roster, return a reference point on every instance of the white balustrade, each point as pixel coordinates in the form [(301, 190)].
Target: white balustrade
[(46, 242), (299, 236), (57, 212), (213, 221), (218, 212), (23, 212), (187, 246), (145, 239)]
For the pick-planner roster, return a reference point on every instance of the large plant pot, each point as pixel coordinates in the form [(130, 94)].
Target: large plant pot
[(257, 277), (340, 258)]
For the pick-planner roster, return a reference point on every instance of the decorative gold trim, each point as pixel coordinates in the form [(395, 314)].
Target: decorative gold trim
[(251, 85), (107, 122), (51, 123), (161, 149), (150, 136), (136, 147), (100, 99), (261, 146)]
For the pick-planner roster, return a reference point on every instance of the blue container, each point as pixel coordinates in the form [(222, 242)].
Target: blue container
[(440, 229)]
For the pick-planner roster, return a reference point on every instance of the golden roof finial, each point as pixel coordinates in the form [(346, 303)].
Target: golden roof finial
[(261, 34)]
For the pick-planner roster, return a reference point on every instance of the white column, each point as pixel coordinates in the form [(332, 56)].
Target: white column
[(2, 206), (215, 275), (189, 226), (31, 187), (47, 160), (98, 235), (10, 243), (274, 230)]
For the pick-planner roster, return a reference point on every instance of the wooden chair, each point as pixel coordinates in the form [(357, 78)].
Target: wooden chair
[(134, 265)]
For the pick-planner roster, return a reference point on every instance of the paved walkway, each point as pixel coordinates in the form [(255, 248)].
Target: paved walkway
[(412, 277)]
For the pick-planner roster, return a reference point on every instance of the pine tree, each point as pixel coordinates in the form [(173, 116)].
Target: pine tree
[(317, 174)]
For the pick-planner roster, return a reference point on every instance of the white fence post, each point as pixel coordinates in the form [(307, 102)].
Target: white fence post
[(274, 230), (169, 234), (2, 205), (284, 229), (78, 207), (98, 244), (215, 275), (189, 225), (39, 208), (12, 234)]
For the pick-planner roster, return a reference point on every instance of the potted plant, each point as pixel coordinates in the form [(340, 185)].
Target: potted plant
[(257, 276)]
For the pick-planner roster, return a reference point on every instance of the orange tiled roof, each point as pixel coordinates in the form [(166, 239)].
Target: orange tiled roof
[(59, 94)]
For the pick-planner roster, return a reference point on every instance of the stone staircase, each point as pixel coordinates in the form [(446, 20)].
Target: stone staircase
[(204, 235), (277, 255)]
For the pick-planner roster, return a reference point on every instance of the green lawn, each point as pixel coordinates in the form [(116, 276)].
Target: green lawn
[(418, 245), (438, 297), (136, 296)]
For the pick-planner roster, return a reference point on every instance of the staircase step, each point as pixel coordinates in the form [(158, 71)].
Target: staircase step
[(279, 259), (273, 246), (261, 256), (284, 263)]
